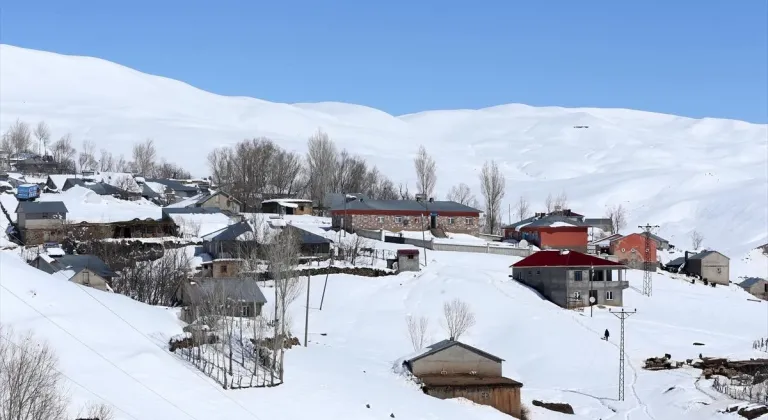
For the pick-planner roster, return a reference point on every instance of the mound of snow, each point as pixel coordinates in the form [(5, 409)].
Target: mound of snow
[(85, 205)]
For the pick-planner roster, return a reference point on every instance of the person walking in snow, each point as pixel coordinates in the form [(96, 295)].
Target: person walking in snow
[(606, 335)]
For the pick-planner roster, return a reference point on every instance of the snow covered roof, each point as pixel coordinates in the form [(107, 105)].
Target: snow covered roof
[(58, 181), (77, 263), (286, 200), (172, 184), (606, 240), (122, 180), (232, 232), (555, 258), (84, 205)]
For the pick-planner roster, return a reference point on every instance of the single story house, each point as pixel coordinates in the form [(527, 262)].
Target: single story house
[(41, 221), (201, 292), (86, 270), (311, 243), (219, 199), (569, 278), (552, 231), (400, 215), (234, 241), (631, 251), (709, 265), (287, 206), (452, 369), (756, 286)]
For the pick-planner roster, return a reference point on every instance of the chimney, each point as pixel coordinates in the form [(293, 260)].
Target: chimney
[(686, 257)]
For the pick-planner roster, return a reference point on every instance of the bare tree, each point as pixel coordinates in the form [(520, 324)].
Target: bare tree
[(283, 256), (106, 161), (618, 217), (549, 203), (97, 411), (403, 192), (417, 331), (492, 184), (170, 170), (18, 138), (322, 158), (458, 318), (87, 158), (122, 165), (30, 385), (64, 153), (43, 135), (154, 282), (561, 202), (522, 208), (145, 156), (696, 239), (426, 172), (462, 194)]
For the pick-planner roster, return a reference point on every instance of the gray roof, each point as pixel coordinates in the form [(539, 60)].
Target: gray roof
[(79, 262), (597, 221), (41, 207), (309, 238), (148, 192), (704, 254), (332, 200), (233, 288), (172, 184), (102, 188), (191, 210), (442, 345), (677, 261), (658, 238), (71, 182), (522, 222), (229, 233), (405, 205), (549, 220), (750, 281)]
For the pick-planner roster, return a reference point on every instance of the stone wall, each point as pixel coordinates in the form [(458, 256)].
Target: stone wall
[(469, 225)]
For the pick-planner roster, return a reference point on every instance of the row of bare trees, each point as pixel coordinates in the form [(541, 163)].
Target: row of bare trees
[(458, 318), (19, 138), (31, 385)]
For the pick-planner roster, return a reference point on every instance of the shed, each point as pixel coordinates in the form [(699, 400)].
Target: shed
[(755, 286), (709, 265), (407, 260), (86, 270)]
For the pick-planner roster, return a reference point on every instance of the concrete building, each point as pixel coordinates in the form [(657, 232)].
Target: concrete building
[(756, 286), (199, 292), (406, 260), (87, 270), (552, 231), (709, 265), (570, 278), (295, 206), (405, 215), (451, 369), (41, 221), (630, 251)]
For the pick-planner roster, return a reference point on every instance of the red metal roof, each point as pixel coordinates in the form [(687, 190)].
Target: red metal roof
[(553, 258)]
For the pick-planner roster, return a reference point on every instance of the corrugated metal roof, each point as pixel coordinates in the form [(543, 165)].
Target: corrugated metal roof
[(548, 221), (405, 205), (677, 261), (229, 233), (704, 254), (246, 290), (444, 344), (750, 281), (172, 184), (79, 262), (41, 207), (552, 258), (191, 210)]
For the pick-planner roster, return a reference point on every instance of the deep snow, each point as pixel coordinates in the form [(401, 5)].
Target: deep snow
[(118, 348), (680, 173)]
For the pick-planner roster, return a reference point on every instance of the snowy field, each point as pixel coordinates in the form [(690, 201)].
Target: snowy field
[(680, 173), (115, 348)]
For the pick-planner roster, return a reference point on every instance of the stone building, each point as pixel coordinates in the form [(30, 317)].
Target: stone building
[(41, 221), (405, 215)]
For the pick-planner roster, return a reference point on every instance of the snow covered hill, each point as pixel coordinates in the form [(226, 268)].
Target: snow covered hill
[(113, 349), (677, 172)]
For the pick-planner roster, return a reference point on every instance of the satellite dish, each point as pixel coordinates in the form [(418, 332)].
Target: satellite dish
[(591, 299)]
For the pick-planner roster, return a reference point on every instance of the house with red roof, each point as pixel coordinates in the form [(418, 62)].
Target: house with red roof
[(571, 279)]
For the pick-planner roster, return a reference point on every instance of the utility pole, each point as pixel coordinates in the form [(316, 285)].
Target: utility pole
[(648, 264), (322, 299), (306, 313), (591, 299), (622, 316)]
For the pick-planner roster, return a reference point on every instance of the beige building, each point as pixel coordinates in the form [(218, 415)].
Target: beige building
[(709, 265), (221, 200), (451, 369), (296, 206), (86, 270), (756, 286)]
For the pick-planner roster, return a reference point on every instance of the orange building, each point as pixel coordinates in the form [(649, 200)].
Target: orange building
[(630, 250), (553, 232)]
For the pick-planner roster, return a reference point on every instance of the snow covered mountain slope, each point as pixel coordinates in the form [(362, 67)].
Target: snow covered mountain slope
[(113, 348), (679, 173)]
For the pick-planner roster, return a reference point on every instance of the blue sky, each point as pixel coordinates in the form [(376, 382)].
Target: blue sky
[(694, 58)]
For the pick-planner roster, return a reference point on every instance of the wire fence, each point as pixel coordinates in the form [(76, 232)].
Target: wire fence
[(742, 388), (760, 344), (233, 371)]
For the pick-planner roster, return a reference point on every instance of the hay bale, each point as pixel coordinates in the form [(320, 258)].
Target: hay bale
[(564, 408)]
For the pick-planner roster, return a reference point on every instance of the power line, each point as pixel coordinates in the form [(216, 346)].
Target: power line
[(622, 316), (99, 354), (80, 385)]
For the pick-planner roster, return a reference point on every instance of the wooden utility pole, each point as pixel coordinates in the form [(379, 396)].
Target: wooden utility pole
[(306, 313)]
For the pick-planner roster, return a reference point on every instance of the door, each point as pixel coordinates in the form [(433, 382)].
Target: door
[(592, 297), (433, 221)]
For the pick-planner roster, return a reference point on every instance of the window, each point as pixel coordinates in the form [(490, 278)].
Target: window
[(245, 310), (577, 295), (381, 220), (450, 220), (410, 256), (468, 221), (398, 219), (538, 272), (577, 275), (608, 295), (223, 269), (301, 208), (86, 277)]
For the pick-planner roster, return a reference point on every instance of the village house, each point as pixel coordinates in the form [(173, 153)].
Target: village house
[(405, 260), (602, 245), (41, 221), (553, 231), (405, 215), (219, 199), (295, 206), (631, 251), (711, 266), (86, 270), (244, 294), (176, 189), (756, 287), (569, 278), (452, 369)]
